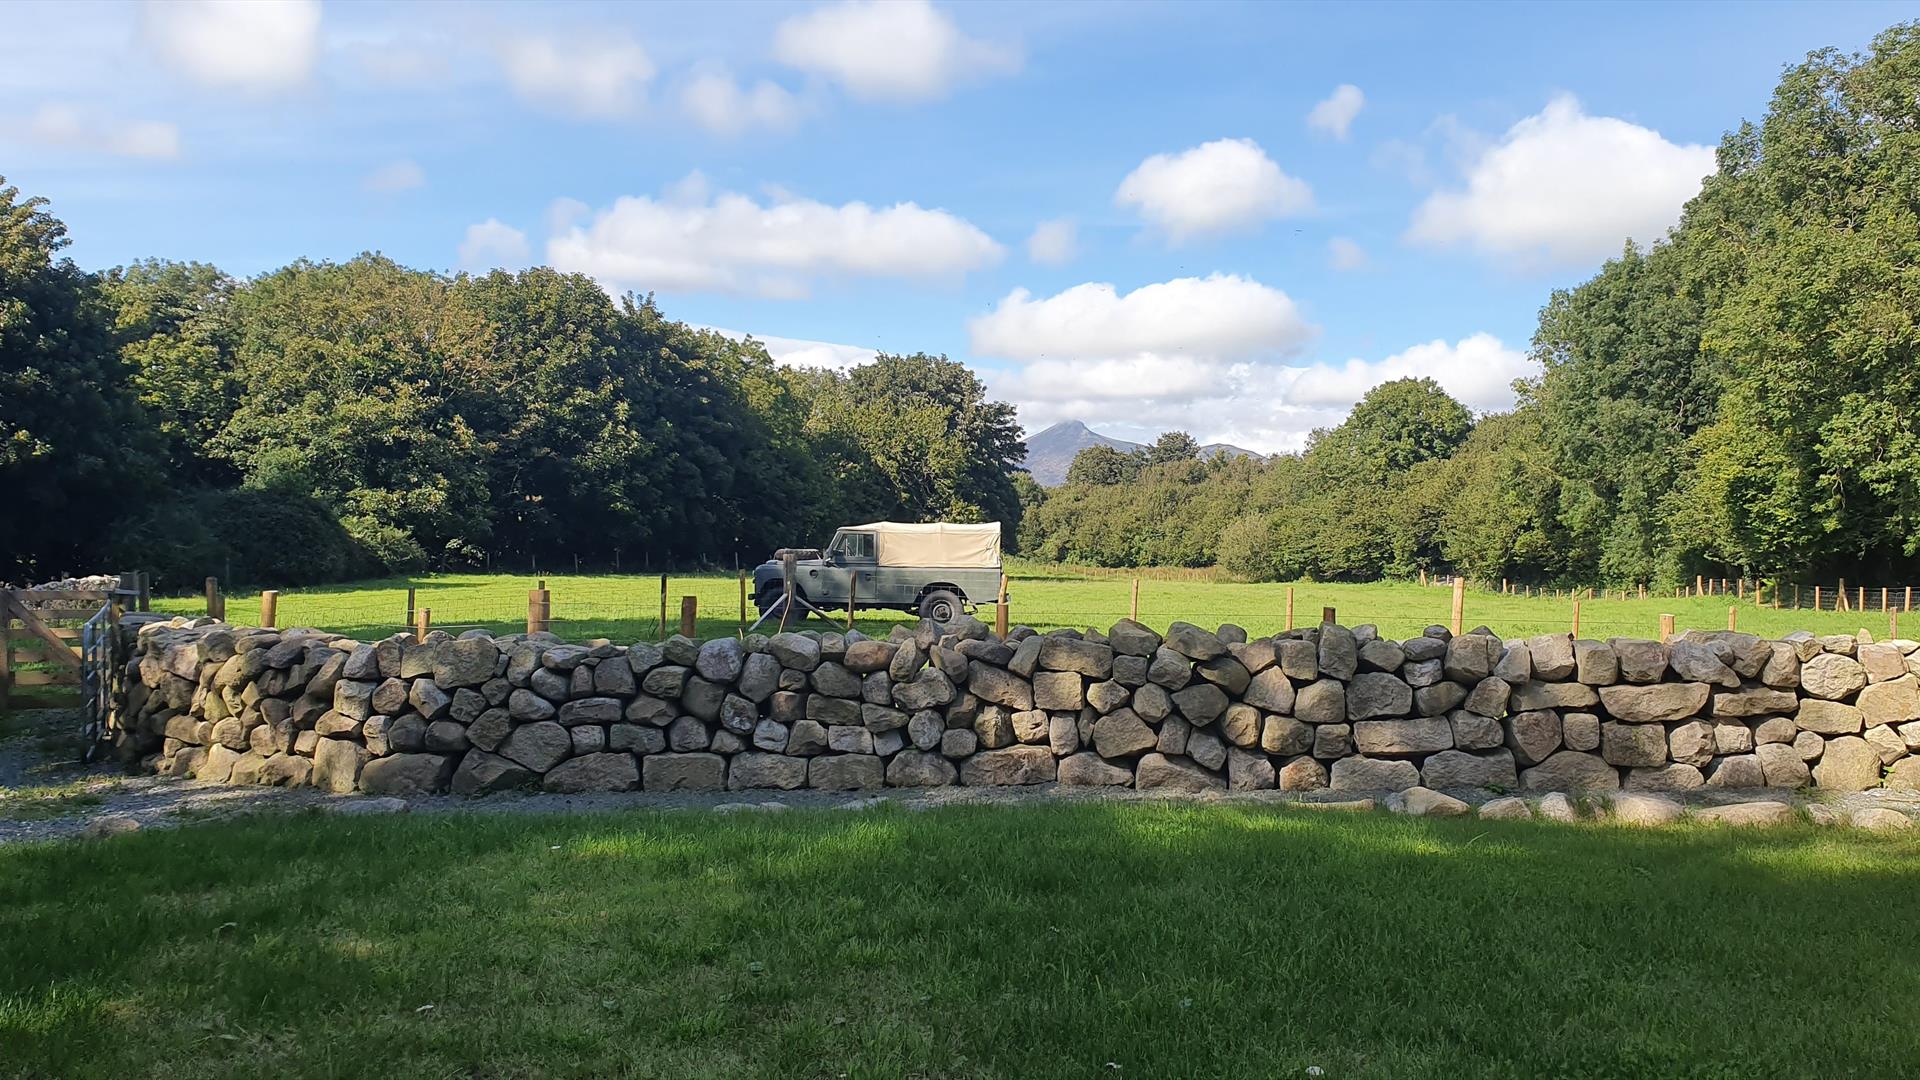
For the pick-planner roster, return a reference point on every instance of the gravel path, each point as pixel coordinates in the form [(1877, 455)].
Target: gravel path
[(103, 798)]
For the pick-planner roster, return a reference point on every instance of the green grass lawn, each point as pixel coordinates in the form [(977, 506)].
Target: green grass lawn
[(1005, 941), (627, 607)]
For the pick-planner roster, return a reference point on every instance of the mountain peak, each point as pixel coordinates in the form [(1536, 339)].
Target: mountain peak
[(1051, 451)]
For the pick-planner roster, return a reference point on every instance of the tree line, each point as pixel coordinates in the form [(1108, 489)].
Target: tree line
[(328, 420), (1739, 397)]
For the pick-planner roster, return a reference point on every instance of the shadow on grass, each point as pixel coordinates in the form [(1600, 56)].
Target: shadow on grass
[(1002, 941)]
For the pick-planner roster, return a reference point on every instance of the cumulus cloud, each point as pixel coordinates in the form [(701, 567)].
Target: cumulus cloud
[(493, 245), (1215, 187), (803, 353), (889, 50), (603, 75), (1335, 115), (252, 45), (691, 240), (396, 176), (1345, 254), (82, 129), (722, 105), (1564, 188), (1222, 316), (1479, 371), (1053, 243)]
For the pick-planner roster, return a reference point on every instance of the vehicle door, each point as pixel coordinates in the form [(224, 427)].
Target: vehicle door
[(828, 583)]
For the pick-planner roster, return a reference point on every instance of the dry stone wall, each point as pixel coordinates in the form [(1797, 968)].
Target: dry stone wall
[(1194, 710)]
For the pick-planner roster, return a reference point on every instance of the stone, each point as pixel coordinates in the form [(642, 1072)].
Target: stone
[(390, 804), (1133, 639), (1732, 738), (635, 739), (1488, 698), (1014, 765), (1691, 742), (1756, 702), (1571, 770), (1256, 656), (1419, 673), (1829, 676), (1757, 814), (1533, 736), (1332, 741), (1640, 661), (464, 662), (1474, 732), (481, 772), (1323, 701), (337, 764), (1159, 772), (1736, 771), (447, 737), (766, 770), (1580, 731), (538, 746), (1200, 703), (1359, 773), (593, 710), (1285, 736), (1848, 763), (1153, 703), (958, 743), (1634, 745), (1029, 727), (1515, 666), (686, 772), (1376, 694), (795, 651), (1552, 656), (1887, 743), (1556, 806), (1107, 696), (1401, 738), (1528, 697), (1193, 643), (595, 772), (1828, 717), (915, 768), (389, 697), (1339, 655), (1777, 729), (1880, 819), (1510, 808), (1782, 669), (1059, 690), (615, 679), (1206, 748), (1471, 657), (1121, 734), (588, 739), (1301, 774), (866, 656), (1459, 769), (1425, 802), (1889, 701), (1300, 659), (1595, 663), (1058, 653), (1674, 776), (847, 739), (1063, 734), (879, 718), (1174, 735), (1696, 662), (1240, 725), (1645, 810), (665, 681), (1169, 669), (1905, 775), (1248, 770), (1382, 655), (1781, 765), (1088, 770), (1656, 703), (984, 681), (848, 772), (1131, 670), (1440, 698), (1882, 662)]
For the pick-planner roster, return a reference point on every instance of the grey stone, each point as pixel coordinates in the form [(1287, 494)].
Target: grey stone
[(1332, 741), (1159, 772), (1828, 717), (1402, 738), (1059, 690), (538, 746), (1169, 669), (1376, 694), (1580, 731), (1571, 770), (1373, 774), (1121, 734), (1673, 776), (766, 770), (1286, 736), (1655, 703), (1635, 745), (1321, 702), (1848, 763), (464, 662), (481, 772), (1692, 743), (594, 772), (593, 710), (1207, 748), (1301, 774), (1551, 656), (914, 768), (1087, 770), (1339, 653), (1533, 736), (1459, 769), (1551, 695), (1200, 703), (686, 772), (1193, 643), (1014, 765)]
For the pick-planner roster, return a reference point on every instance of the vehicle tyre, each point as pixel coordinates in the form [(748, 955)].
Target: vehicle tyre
[(766, 597), (941, 606)]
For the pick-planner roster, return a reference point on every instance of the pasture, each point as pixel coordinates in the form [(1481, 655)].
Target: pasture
[(627, 607)]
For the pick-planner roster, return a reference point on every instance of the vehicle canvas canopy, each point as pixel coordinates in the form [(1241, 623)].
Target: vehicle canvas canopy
[(933, 544)]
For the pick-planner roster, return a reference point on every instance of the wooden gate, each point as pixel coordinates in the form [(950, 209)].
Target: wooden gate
[(60, 639)]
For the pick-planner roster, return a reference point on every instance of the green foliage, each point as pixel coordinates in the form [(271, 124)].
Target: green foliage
[(1101, 465), (245, 536), (1172, 446)]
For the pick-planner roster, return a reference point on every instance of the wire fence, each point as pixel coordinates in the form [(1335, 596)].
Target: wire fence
[(631, 607)]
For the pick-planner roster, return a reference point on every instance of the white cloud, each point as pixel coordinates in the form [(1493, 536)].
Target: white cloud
[(1335, 115), (1222, 316), (1053, 243), (718, 103), (889, 50), (1478, 371), (256, 45), (396, 176), (1346, 254), (601, 75), (1215, 187), (1564, 188), (493, 245), (83, 129), (691, 240), (802, 353)]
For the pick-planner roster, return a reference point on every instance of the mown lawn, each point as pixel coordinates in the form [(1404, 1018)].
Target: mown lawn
[(1139, 940), (627, 607)]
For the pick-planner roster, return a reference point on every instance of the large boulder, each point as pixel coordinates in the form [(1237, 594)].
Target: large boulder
[(848, 772), (337, 764), (1458, 769), (464, 662), (915, 768), (1376, 694), (1201, 703), (1893, 701), (986, 682), (537, 746), (604, 771), (1633, 745), (1401, 738), (1014, 765), (1828, 717), (1655, 703), (1087, 770), (1248, 770), (1533, 736), (1122, 734), (481, 772), (1193, 642), (766, 770), (684, 772), (1373, 774), (1829, 676), (1849, 763), (1060, 653), (1323, 701), (1163, 773), (1571, 770)]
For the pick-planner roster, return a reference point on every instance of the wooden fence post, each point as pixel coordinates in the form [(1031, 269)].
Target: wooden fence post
[(1840, 598), (216, 604), (663, 607), (539, 609), (1666, 627), (1459, 605), (146, 591), (1289, 607), (1863, 598), (410, 604), (689, 615), (853, 590), (1893, 624), (422, 625), (1000, 607), (6, 652), (269, 608), (788, 563), (1576, 616), (1328, 615), (1133, 607), (1733, 617), (1908, 606), (1816, 597), (743, 605), (1883, 598)]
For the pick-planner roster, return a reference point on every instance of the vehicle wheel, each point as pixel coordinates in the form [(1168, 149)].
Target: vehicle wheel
[(941, 606), (767, 596)]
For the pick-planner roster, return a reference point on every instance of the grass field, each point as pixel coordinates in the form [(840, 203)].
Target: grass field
[(627, 607), (1086, 940)]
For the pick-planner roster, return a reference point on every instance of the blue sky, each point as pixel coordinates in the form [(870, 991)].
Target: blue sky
[(1227, 218)]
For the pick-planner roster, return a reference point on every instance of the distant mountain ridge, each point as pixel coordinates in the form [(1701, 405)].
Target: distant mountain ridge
[(1051, 452)]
